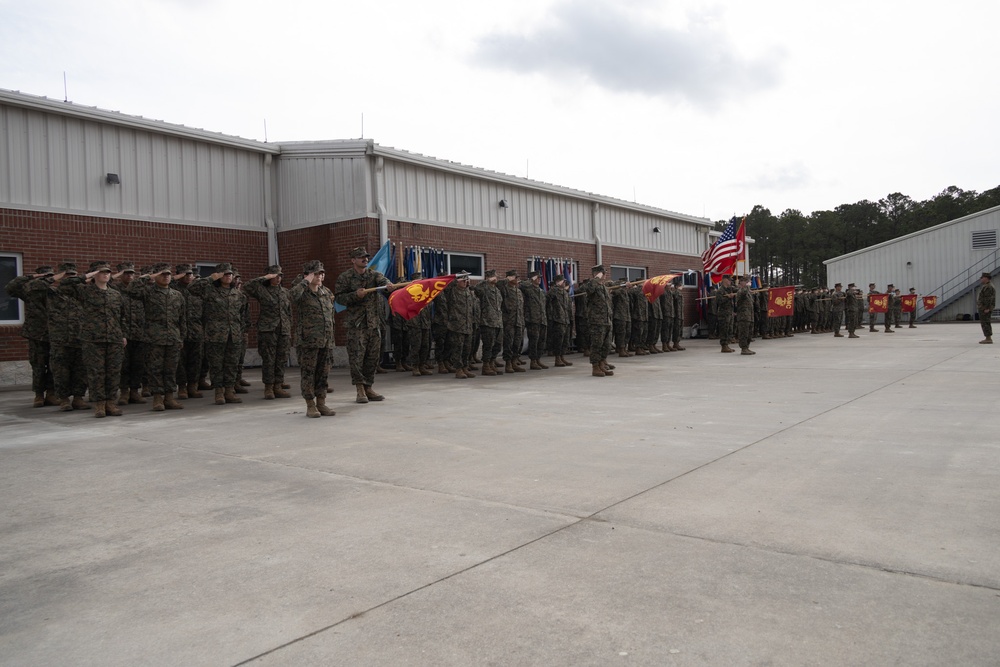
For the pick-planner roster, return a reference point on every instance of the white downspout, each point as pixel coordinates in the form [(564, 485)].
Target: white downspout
[(383, 220), (593, 226)]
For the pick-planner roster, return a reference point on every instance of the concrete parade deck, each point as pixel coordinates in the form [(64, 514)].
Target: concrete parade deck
[(825, 502)]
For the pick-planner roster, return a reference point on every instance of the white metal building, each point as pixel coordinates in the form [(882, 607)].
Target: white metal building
[(944, 261)]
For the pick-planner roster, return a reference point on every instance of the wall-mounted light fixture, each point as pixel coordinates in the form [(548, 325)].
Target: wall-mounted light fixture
[(112, 179), (504, 204), (656, 230)]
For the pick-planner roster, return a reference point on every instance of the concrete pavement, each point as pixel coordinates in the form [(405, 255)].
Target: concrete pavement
[(825, 502)]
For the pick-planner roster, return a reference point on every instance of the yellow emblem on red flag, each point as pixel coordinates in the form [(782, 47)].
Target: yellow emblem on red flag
[(410, 300), (909, 303), (930, 302), (655, 286), (878, 303), (780, 301)]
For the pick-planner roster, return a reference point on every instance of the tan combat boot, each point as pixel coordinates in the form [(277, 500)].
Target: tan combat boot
[(135, 396), (460, 374), (566, 362), (182, 392), (39, 401), (597, 371), (362, 396), (111, 409), (726, 348), (269, 392), (321, 406), (220, 396), (158, 403), (489, 368), (80, 404), (99, 408), (65, 405), (193, 391), (229, 394), (279, 392), (169, 403), (534, 365), (508, 367), (372, 394), (311, 410), (123, 395)]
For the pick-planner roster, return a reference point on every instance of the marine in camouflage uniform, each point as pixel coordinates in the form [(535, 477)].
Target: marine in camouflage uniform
[(872, 315), (418, 335), (189, 363), (134, 362), (599, 311), (897, 309), (513, 322), (666, 300), (439, 330), (65, 352), (490, 321), (461, 323), (582, 323), (640, 320), (744, 315), (559, 311), (838, 302), (678, 295), (890, 305), (724, 295), (102, 337), (363, 321), (912, 315), (852, 299), (654, 324), (222, 308), (535, 320), (986, 302), (274, 328), (166, 325), (621, 318), (36, 330), (314, 312)]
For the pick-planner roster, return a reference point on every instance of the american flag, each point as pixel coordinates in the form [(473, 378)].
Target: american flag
[(722, 256)]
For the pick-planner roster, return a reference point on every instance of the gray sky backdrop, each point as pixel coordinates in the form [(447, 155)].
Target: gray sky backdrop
[(706, 108)]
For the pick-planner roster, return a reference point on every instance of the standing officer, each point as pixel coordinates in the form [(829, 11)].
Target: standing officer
[(534, 319), (418, 335), (559, 313), (313, 336), (667, 327), (223, 319), (166, 326), (490, 321), (36, 330), (599, 310), (852, 300), (189, 363), (621, 316), (838, 301), (460, 325), (889, 308), (133, 320), (678, 293), (274, 329), (872, 315), (744, 315), (913, 313), (724, 295), (65, 353), (363, 321), (986, 302), (640, 320), (513, 323)]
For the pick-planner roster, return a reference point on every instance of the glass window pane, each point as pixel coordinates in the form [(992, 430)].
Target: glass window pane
[(10, 308), (471, 263)]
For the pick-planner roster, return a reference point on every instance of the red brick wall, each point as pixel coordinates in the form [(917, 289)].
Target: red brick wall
[(50, 238)]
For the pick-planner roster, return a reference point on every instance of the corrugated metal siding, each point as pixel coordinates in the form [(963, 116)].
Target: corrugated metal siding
[(632, 229), (59, 162), (319, 190), (935, 257)]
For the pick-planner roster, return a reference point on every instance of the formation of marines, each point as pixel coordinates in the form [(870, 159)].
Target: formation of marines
[(124, 334)]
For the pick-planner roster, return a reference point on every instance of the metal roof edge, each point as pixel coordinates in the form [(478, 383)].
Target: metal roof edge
[(38, 103), (478, 172), (964, 218)]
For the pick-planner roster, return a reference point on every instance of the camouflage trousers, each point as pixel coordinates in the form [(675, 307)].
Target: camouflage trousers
[(69, 377), (439, 332), (161, 367), (243, 355), (622, 332), (103, 362), (492, 338), (653, 331), (536, 340), (582, 334), (852, 320), (133, 365), (558, 338), (189, 363), (38, 357), (223, 359), (678, 329), (639, 331), (667, 330), (513, 340), (600, 342), (836, 321), (725, 330), (419, 343), (744, 329), (985, 322), (460, 345), (273, 348), (400, 344), (364, 348), (314, 365)]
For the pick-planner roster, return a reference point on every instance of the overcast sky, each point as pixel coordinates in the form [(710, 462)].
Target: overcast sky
[(705, 108)]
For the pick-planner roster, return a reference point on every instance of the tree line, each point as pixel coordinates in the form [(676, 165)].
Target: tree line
[(789, 248)]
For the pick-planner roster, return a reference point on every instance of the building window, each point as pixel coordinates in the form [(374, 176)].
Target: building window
[(457, 262), (984, 240), (629, 273), (11, 309), (688, 278), (204, 269)]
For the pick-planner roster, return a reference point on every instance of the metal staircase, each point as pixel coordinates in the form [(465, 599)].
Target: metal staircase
[(966, 281)]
